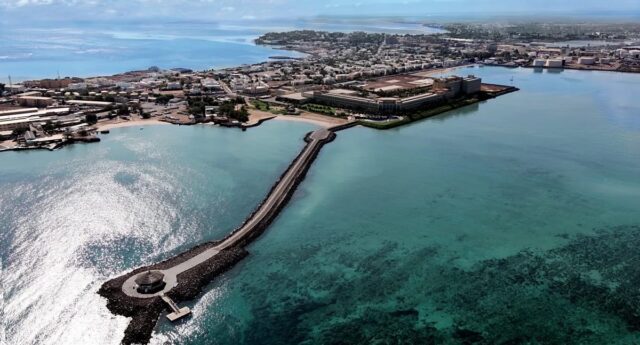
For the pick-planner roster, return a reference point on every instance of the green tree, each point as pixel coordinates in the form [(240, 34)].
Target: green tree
[(19, 131), (227, 108), (48, 126), (91, 119), (123, 110), (163, 99)]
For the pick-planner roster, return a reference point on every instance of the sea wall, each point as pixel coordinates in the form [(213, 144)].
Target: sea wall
[(145, 312), (442, 108)]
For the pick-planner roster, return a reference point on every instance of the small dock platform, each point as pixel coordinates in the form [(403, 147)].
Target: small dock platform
[(178, 313)]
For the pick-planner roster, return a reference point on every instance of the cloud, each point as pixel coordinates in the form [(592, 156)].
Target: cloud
[(33, 10)]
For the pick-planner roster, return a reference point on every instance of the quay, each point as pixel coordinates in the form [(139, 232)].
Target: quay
[(145, 293)]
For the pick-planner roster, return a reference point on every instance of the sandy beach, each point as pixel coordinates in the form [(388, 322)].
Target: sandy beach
[(107, 125), (316, 119)]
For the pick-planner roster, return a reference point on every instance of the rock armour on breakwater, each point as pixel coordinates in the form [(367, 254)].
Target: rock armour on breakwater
[(145, 312)]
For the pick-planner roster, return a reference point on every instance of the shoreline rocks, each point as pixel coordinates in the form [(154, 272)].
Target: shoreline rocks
[(145, 312)]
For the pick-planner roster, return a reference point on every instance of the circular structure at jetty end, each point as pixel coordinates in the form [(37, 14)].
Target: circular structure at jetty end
[(150, 282)]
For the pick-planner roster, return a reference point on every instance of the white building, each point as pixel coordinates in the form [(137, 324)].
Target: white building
[(539, 63), (554, 63), (174, 86), (587, 60), (77, 86)]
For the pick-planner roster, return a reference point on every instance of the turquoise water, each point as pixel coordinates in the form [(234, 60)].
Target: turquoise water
[(467, 225), (73, 218), (512, 221)]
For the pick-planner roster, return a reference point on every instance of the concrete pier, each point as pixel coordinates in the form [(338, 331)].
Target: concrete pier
[(178, 313)]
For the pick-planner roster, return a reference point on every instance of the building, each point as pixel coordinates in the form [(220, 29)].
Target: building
[(15, 124), (150, 282), (455, 86), (77, 86), (15, 88), (539, 63), (35, 101), (471, 85), (53, 83), (414, 102), (18, 111), (256, 89), (587, 60), (379, 105), (450, 85), (444, 88), (4, 135), (347, 100), (98, 104), (173, 86), (554, 63), (211, 85)]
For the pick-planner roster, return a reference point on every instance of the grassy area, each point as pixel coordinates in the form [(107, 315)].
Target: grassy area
[(385, 125), (264, 106), (320, 109), (260, 105)]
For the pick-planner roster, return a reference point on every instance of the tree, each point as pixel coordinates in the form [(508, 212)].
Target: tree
[(19, 131), (227, 108), (91, 119), (242, 115), (137, 108), (1, 89), (163, 99), (48, 126), (123, 110)]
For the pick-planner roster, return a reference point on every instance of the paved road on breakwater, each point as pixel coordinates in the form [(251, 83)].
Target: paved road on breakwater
[(268, 208)]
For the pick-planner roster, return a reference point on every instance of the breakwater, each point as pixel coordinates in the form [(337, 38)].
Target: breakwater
[(196, 267)]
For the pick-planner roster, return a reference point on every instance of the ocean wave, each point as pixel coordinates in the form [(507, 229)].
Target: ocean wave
[(16, 56)]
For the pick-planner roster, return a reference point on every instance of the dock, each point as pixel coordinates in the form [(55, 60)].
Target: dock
[(178, 313)]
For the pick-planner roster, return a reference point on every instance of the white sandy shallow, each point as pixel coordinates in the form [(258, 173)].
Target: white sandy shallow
[(133, 123), (315, 119)]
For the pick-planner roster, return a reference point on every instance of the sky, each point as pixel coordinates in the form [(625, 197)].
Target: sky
[(33, 11)]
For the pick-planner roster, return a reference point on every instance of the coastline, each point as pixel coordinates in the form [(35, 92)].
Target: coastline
[(431, 72), (108, 125), (256, 116)]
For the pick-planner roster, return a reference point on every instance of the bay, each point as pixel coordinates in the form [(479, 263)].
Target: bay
[(515, 219)]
